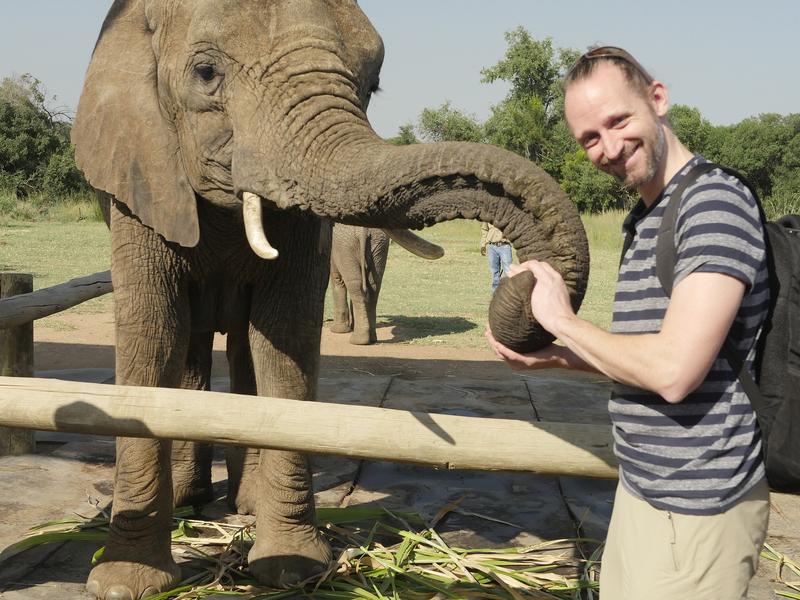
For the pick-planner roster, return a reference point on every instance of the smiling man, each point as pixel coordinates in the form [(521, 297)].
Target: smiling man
[(692, 506)]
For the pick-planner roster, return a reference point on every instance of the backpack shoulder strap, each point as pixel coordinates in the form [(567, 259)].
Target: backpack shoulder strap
[(666, 253), (666, 258)]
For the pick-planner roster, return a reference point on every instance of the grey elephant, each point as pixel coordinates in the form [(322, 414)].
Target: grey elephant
[(229, 133), (358, 262)]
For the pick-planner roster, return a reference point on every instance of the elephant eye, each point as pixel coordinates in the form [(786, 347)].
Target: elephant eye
[(205, 72)]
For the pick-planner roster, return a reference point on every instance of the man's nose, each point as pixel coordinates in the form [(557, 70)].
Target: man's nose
[(612, 146)]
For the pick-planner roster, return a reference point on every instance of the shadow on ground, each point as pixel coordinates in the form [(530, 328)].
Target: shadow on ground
[(412, 328)]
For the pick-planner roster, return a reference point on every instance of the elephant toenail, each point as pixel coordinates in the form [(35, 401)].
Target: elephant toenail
[(119, 592)]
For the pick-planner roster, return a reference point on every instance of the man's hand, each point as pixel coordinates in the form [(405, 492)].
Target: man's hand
[(483, 250), (547, 358), (551, 357), (550, 301)]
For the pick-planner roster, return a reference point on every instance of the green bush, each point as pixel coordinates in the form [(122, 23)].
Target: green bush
[(36, 156)]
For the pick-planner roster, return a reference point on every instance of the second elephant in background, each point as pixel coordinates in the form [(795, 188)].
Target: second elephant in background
[(358, 261)]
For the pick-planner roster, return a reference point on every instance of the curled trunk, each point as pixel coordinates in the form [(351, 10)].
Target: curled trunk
[(375, 184)]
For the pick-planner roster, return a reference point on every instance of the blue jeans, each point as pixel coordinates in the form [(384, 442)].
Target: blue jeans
[(499, 260)]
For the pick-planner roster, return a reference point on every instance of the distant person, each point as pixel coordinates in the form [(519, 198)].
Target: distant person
[(692, 504), (498, 249)]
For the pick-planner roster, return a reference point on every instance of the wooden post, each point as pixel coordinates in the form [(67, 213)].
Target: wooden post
[(16, 360)]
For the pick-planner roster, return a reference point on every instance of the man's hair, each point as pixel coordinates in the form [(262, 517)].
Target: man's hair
[(635, 74)]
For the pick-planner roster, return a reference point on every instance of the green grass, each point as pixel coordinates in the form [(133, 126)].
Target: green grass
[(56, 252), (442, 302), (41, 208)]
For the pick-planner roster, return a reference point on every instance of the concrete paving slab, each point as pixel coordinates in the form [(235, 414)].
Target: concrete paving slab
[(531, 504)]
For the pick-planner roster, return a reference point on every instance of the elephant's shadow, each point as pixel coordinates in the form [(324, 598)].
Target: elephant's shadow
[(412, 328)]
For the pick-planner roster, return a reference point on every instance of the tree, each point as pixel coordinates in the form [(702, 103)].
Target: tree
[(447, 124), (405, 136), (756, 147), (591, 189), (533, 68), (35, 150), (519, 125), (696, 133)]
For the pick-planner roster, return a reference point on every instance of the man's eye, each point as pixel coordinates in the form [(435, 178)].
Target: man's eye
[(205, 72)]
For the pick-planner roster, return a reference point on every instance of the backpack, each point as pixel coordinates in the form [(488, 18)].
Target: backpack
[(776, 396)]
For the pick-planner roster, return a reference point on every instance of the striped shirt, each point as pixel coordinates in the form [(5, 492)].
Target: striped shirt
[(701, 455)]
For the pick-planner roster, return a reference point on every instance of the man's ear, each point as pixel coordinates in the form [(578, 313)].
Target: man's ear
[(658, 97)]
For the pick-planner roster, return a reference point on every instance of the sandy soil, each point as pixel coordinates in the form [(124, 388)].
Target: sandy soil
[(77, 340)]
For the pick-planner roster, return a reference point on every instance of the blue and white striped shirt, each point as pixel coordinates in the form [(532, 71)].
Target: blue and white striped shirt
[(703, 454)]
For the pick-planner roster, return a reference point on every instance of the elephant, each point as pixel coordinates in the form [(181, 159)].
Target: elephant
[(358, 261), (227, 136)]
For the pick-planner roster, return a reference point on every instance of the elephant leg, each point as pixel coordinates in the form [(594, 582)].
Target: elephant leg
[(191, 461), (152, 333), (375, 266), (242, 462), (361, 334), (285, 342), (342, 315)]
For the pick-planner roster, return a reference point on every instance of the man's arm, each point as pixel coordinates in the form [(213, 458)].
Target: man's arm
[(671, 363), (484, 234)]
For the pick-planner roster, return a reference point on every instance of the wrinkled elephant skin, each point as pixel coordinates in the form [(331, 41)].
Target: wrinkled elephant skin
[(189, 111)]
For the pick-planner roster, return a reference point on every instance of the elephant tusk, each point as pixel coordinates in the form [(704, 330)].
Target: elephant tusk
[(415, 244), (254, 227)]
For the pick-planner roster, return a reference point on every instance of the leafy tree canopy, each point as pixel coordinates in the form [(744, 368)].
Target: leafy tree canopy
[(35, 151), (405, 136), (447, 124)]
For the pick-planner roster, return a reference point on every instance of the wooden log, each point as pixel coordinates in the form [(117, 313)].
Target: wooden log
[(444, 441), (16, 360), (30, 306)]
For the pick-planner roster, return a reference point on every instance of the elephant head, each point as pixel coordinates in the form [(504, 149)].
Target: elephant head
[(260, 104)]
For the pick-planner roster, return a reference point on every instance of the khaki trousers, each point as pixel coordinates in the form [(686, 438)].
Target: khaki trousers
[(653, 554)]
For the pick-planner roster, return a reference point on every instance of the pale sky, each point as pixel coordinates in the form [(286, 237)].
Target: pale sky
[(729, 58)]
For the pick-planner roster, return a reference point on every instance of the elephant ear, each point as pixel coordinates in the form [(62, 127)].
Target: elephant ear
[(123, 142)]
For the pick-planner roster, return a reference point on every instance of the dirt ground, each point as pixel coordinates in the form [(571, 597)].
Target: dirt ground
[(79, 340)]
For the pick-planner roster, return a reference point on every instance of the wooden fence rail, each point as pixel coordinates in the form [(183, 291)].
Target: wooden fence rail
[(444, 441), (26, 307)]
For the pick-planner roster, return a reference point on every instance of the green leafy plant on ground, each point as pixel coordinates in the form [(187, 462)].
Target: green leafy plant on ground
[(381, 555)]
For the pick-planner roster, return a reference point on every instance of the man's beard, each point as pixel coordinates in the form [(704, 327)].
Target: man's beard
[(653, 158)]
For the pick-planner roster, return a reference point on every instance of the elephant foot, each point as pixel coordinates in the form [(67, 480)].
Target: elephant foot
[(363, 338), (192, 493), (191, 473), (337, 327), (242, 466), (284, 560), (244, 501), (122, 580)]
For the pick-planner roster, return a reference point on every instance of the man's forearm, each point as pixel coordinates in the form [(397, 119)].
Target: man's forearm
[(631, 359)]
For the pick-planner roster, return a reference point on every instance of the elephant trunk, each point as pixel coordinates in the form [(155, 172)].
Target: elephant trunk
[(332, 164), (376, 184)]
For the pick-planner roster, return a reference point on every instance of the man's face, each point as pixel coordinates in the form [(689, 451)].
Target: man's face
[(616, 125)]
